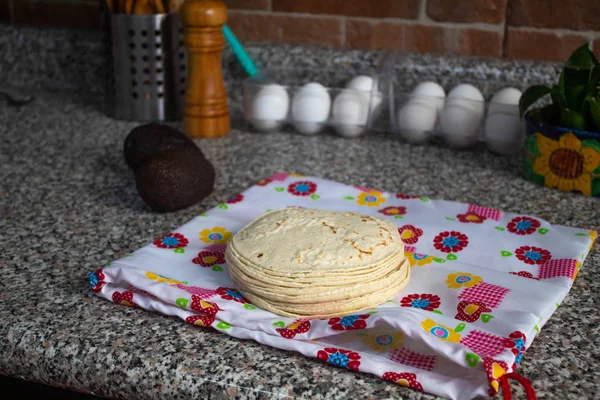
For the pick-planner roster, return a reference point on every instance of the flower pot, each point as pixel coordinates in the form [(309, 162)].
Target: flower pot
[(563, 158)]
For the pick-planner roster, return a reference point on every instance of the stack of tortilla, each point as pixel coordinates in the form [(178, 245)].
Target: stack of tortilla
[(316, 263)]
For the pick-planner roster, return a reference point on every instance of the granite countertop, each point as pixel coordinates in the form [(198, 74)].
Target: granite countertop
[(68, 205)]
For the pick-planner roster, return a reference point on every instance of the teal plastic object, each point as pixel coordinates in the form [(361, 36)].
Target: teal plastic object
[(240, 52)]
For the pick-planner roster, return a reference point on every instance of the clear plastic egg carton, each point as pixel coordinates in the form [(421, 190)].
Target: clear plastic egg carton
[(392, 99), (313, 101)]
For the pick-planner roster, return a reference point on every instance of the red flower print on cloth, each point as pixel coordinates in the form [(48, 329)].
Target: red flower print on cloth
[(410, 234), (366, 189), (200, 320), (562, 267), (516, 343), (264, 182), (471, 218), (279, 176), (235, 199), (484, 212), (302, 188), (412, 359), (423, 301), (490, 295), (470, 311), (450, 242), (124, 298), (533, 255), (523, 225), (200, 292), (171, 241), (484, 344), (209, 258), (297, 327), (406, 196), (524, 274), (231, 294), (349, 322), (97, 280), (205, 307), (393, 211), (340, 357), (404, 379)]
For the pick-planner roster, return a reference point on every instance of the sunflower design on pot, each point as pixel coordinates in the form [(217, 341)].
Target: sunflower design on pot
[(371, 198), (383, 341), (418, 259), (566, 164), (302, 188), (216, 235)]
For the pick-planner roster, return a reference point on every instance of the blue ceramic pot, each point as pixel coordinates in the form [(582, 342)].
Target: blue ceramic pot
[(563, 158)]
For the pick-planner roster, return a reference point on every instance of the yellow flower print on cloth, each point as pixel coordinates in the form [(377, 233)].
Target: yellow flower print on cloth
[(383, 340), (418, 259), (160, 278), (566, 164), (462, 280), (372, 198), (593, 236), (440, 331), (216, 235)]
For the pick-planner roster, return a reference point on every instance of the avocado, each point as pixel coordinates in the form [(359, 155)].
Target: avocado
[(147, 140), (175, 179)]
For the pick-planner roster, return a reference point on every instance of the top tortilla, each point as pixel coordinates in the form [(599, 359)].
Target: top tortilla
[(315, 242)]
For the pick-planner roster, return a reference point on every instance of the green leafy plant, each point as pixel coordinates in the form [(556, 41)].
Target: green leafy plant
[(576, 97)]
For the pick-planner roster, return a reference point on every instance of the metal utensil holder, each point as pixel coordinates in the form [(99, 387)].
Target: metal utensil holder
[(149, 67)]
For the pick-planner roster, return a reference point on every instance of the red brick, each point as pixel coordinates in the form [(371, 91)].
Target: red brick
[(541, 46), (490, 11), (247, 4), (355, 8), (422, 38), (62, 14), (295, 29), (572, 14)]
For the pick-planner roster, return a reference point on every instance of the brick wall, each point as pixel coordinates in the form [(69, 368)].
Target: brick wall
[(519, 29)]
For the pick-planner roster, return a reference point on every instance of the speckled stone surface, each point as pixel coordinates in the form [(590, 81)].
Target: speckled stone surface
[(68, 205)]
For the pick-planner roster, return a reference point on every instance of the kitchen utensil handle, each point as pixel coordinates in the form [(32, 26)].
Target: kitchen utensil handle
[(205, 113)]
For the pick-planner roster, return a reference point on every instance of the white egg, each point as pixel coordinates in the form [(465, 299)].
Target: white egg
[(459, 125), (506, 100), (416, 120), (268, 108), (503, 130), (431, 92), (468, 96), (365, 84), (350, 113), (461, 116), (310, 108)]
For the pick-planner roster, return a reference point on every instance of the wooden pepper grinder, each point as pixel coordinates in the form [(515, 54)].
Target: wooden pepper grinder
[(205, 113)]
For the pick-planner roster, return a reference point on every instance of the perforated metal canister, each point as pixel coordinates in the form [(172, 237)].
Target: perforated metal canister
[(149, 67)]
